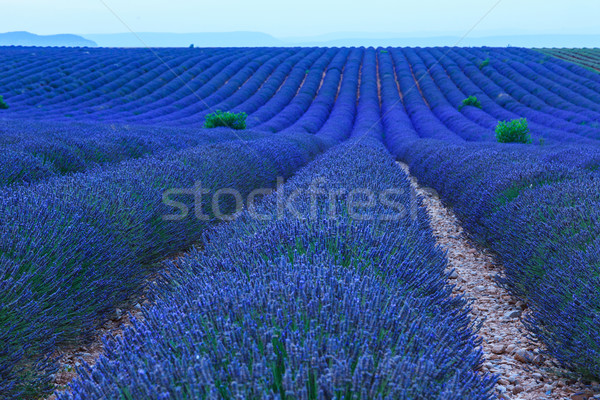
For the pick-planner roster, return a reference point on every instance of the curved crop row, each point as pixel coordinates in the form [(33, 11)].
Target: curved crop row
[(319, 107), (538, 209), (446, 112), (588, 58), (194, 83), (340, 121), (305, 96), (421, 116), (397, 125), (578, 98), (287, 103), (368, 117), (32, 151), (457, 83), (221, 86), (243, 90)]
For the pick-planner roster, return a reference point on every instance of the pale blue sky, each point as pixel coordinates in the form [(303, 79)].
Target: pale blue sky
[(283, 18)]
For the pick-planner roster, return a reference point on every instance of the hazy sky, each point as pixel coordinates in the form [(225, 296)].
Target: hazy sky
[(283, 18)]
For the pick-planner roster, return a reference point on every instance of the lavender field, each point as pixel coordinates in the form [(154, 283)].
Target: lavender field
[(589, 58), (342, 292)]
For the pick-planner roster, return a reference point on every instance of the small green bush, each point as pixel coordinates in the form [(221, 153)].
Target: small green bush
[(515, 131), (3, 105), (484, 63), (227, 119), (470, 101)]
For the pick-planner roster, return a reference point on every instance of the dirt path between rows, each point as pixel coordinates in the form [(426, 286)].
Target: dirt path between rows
[(525, 373), (71, 357)]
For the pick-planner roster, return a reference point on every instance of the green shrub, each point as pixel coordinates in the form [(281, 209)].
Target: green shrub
[(228, 119), (484, 63), (470, 101), (515, 131), (3, 105)]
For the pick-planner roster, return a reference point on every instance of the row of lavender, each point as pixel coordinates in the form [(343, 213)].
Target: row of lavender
[(65, 308), (537, 209), (270, 292), (536, 206), (72, 249), (34, 151), (565, 113), (324, 301), (100, 80)]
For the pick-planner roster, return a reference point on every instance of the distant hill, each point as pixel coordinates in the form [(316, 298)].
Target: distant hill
[(259, 39), (340, 39), (204, 39), (31, 39)]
